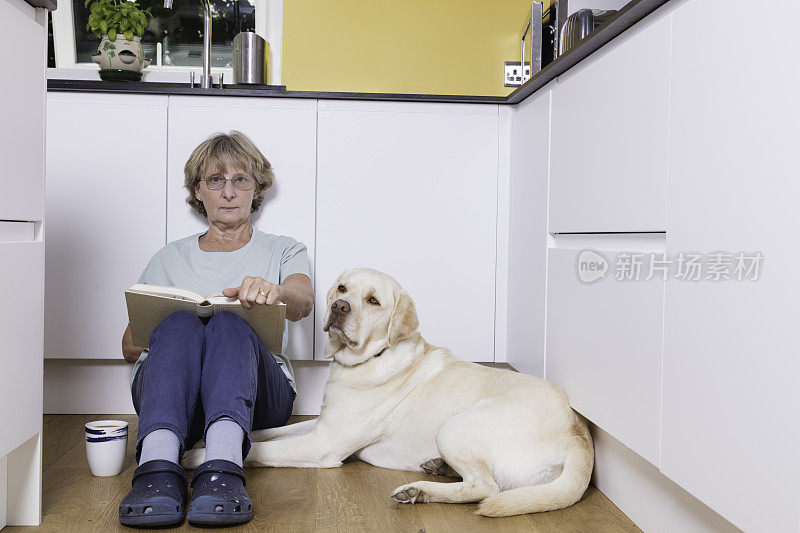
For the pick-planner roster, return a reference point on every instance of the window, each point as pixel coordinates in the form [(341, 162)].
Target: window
[(179, 30)]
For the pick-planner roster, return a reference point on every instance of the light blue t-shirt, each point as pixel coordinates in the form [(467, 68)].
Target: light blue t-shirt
[(182, 263)]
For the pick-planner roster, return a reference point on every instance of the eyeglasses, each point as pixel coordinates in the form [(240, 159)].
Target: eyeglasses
[(243, 183)]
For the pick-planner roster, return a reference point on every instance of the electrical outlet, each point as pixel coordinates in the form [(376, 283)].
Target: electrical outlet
[(513, 75)]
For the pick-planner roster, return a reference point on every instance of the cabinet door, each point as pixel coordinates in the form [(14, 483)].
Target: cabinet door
[(21, 284), (105, 202), (285, 132), (609, 137), (23, 55), (527, 235), (731, 365), (604, 333), (411, 189)]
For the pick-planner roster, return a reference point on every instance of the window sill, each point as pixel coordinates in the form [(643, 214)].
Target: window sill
[(150, 74)]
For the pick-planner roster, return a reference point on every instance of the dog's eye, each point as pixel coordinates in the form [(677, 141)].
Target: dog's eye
[(341, 288), (373, 300)]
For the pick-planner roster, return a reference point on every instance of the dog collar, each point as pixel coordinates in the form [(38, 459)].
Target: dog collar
[(380, 353)]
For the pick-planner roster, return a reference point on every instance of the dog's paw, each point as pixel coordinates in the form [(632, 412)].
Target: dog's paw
[(193, 458), (409, 494), (437, 467)]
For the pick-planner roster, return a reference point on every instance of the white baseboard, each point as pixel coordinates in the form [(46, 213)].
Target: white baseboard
[(653, 501), (100, 386)]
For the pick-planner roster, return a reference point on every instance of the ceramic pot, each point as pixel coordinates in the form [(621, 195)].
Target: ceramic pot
[(122, 54)]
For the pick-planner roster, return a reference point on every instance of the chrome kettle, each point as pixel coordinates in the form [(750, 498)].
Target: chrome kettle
[(250, 53)]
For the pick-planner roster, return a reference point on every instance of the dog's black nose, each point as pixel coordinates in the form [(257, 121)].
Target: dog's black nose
[(340, 308)]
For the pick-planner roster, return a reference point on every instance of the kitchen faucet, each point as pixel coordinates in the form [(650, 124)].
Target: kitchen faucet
[(205, 83)]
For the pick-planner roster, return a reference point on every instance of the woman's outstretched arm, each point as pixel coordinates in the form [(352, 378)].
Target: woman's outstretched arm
[(298, 295), (296, 292)]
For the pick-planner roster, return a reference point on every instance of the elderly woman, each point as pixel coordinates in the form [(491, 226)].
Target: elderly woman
[(213, 379)]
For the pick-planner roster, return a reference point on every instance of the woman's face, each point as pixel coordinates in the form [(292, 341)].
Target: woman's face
[(228, 206)]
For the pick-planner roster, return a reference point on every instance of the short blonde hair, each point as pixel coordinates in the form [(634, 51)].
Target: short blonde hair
[(219, 151)]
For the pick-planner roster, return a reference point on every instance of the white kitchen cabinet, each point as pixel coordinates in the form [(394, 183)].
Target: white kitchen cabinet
[(731, 366), (609, 137), (21, 279), (21, 332), (105, 202), (527, 234), (22, 96), (285, 132), (23, 45), (604, 334), (411, 189)]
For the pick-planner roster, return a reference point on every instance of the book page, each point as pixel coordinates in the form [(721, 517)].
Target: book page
[(172, 292), (219, 298)]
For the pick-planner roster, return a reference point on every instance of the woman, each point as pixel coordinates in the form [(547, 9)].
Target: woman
[(213, 379)]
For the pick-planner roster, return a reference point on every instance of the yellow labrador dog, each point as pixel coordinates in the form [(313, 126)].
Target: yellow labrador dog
[(396, 401)]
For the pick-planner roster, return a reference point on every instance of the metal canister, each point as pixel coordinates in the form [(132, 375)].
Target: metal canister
[(250, 52)]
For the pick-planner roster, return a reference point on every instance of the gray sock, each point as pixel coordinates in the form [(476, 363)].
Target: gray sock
[(224, 440), (160, 444)]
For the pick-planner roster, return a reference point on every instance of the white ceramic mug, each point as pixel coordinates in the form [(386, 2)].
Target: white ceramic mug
[(106, 443)]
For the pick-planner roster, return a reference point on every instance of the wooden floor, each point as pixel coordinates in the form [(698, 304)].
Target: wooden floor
[(354, 497)]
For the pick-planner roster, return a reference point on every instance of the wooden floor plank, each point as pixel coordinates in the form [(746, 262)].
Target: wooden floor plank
[(352, 498), (355, 497)]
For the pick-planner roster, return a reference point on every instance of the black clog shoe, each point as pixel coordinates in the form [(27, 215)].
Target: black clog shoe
[(158, 496), (218, 494)]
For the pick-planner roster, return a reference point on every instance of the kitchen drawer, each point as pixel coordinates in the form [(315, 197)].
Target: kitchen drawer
[(22, 118), (603, 339), (608, 158)]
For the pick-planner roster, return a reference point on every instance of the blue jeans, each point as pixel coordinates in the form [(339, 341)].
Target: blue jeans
[(196, 373)]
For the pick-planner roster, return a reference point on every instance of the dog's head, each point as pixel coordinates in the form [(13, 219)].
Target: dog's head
[(366, 312)]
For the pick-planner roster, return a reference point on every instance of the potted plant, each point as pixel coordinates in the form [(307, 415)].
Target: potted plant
[(119, 24)]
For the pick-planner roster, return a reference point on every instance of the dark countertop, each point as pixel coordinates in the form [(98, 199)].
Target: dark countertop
[(270, 91), (629, 15)]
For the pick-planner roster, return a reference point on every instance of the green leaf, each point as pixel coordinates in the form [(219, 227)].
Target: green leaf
[(129, 35), (112, 36), (103, 26)]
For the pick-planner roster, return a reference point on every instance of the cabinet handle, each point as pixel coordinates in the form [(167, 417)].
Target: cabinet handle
[(632, 242)]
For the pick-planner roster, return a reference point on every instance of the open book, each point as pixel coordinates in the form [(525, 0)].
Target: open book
[(148, 305)]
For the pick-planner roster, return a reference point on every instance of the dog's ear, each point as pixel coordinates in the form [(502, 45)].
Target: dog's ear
[(403, 322)]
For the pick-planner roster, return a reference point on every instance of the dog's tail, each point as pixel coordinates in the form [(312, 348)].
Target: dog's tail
[(562, 492)]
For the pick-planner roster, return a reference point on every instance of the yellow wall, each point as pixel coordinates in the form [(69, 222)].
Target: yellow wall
[(401, 46)]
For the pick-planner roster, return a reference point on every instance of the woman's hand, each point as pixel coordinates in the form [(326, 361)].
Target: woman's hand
[(248, 292)]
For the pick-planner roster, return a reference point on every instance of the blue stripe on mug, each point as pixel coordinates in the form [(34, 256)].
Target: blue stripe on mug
[(105, 439), (106, 432)]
